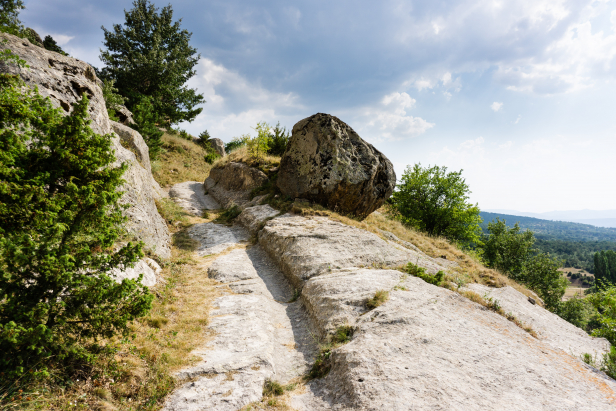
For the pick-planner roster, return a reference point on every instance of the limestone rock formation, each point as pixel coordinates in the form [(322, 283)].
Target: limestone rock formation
[(218, 145), (309, 247), (327, 162), (146, 266), (191, 196), (64, 79), (253, 217), (233, 182)]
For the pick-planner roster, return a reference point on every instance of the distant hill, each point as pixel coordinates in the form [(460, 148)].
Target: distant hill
[(574, 243), (599, 218), (554, 230)]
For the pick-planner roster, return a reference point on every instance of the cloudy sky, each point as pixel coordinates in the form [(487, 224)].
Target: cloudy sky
[(519, 94)]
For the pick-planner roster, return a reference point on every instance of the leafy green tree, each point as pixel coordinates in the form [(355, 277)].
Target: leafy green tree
[(278, 140), (59, 222), (540, 274), (605, 266), (146, 119), (258, 145), (236, 143), (9, 17), (50, 44), (507, 249), (435, 201), (150, 56)]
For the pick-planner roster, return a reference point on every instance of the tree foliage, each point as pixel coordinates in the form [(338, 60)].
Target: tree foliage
[(278, 141), (432, 200), (150, 56), (50, 44), (605, 266), (113, 100), (146, 120), (540, 274), (59, 219), (9, 17), (507, 249), (258, 145)]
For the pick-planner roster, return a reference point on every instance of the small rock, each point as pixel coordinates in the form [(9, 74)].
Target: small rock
[(218, 145), (532, 300)]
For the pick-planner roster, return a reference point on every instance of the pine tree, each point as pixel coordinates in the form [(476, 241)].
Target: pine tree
[(50, 44), (59, 222), (150, 56)]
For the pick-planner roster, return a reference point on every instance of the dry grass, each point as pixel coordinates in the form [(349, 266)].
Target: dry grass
[(241, 156), (180, 160), (276, 396), (137, 374), (492, 304), (380, 297)]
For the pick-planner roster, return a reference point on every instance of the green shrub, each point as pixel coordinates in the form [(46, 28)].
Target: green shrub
[(278, 141), (230, 213), (210, 157), (146, 121), (420, 272), (236, 143), (59, 222), (272, 388), (50, 44), (577, 311), (259, 145), (379, 299), (343, 334), (112, 99)]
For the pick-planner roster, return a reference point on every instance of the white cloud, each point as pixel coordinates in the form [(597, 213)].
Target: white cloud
[(389, 120), (496, 106), (446, 79), (447, 95), (517, 120), (234, 105)]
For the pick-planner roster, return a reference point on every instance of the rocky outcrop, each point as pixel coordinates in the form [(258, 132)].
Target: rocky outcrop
[(232, 183), (218, 145), (254, 217), (146, 266), (64, 80), (549, 327), (308, 247), (327, 162), (191, 196)]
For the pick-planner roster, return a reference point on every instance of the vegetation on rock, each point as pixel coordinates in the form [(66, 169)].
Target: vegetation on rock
[(59, 221), (432, 200)]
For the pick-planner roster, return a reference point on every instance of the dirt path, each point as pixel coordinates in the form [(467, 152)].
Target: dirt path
[(260, 334)]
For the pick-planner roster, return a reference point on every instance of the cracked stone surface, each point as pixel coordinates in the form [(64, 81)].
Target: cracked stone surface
[(215, 238), (190, 195)]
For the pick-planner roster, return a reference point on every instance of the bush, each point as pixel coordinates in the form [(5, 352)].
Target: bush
[(112, 99), (210, 157), (146, 121), (236, 143), (507, 249), (259, 145), (540, 274), (59, 221), (380, 297), (577, 311), (278, 141), (435, 201), (420, 272)]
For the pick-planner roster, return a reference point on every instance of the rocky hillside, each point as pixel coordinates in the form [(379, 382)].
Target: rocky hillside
[(315, 308)]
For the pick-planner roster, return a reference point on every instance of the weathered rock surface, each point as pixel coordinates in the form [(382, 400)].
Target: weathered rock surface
[(308, 247), (431, 349), (146, 266), (551, 328), (125, 116), (327, 162), (218, 145), (258, 336), (233, 182), (340, 297), (190, 195), (64, 79), (216, 238), (253, 217)]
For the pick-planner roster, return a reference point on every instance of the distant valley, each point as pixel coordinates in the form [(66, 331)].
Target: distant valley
[(574, 243)]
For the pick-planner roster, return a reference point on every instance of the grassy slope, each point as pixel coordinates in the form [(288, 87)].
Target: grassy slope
[(180, 160)]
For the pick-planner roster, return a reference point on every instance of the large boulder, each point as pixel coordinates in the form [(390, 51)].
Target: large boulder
[(218, 145), (64, 79), (327, 162), (233, 182)]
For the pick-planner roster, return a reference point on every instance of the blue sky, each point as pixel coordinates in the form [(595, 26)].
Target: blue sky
[(519, 94)]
